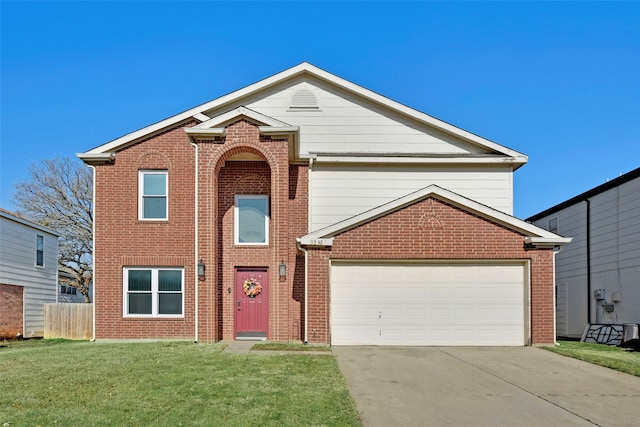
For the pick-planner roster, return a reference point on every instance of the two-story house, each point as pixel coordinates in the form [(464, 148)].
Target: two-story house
[(28, 275), (306, 207)]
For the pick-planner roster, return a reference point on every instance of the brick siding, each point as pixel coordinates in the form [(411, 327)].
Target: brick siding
[(122, 240), (11, 311), (433, 230), (245, 162)]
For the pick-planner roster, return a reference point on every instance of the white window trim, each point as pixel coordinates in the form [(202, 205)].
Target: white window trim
[(141, 174), (236, 219), (154, 293), (39, 237)]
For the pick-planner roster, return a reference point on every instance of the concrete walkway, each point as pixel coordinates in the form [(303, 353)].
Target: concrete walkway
[(464, 386), (245, 347), (238, 347)]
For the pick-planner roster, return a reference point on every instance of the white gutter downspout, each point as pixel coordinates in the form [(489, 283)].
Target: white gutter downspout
[(93, 258), (195, 213), (309, 193), (306, 259), (306, 291)]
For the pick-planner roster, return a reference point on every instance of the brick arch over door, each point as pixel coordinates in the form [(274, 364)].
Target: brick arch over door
[(224, 179)]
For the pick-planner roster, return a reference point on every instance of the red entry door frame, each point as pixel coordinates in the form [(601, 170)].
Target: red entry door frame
[(251, 303)]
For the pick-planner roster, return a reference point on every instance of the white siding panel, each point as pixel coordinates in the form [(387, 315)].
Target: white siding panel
[(339, 192), (345, 123), (615, 257), (17, 267), (571, 267), (561, 308)]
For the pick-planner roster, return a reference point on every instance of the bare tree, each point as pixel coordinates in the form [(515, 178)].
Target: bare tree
[(58, 195)]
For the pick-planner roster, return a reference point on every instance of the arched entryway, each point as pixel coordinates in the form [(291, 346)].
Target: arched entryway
[(245, 246)]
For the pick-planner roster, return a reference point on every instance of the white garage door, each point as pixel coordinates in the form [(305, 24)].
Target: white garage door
[(411, 304)]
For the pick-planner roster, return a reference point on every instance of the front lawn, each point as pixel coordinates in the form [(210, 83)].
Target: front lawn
[(167, 383), (617, 358)]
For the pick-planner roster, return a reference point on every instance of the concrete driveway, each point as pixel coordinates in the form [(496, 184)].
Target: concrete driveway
[(497, 386)]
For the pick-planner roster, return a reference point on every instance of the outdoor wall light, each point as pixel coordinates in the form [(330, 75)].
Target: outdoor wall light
[(201, 269), (282, 271)]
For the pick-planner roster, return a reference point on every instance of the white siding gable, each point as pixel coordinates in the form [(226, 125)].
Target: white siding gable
[(345, 123)]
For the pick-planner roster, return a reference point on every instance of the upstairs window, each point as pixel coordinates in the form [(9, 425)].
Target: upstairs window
[(251, 220), (40, 251), (153, 195), (553, 225)]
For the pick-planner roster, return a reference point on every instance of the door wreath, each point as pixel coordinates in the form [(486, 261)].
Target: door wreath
[(252, 288)]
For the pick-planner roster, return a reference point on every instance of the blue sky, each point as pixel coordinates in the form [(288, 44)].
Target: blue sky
[(558, 81)]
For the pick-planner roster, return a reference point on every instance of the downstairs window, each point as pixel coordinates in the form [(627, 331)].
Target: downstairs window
[(153, 292)]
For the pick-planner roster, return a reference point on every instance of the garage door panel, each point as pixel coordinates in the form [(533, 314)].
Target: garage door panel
[(428, 304)]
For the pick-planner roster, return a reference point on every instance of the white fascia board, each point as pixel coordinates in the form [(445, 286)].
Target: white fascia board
[(320, 242), (204, 132), (201, 117), (547, 242), (440, 193), (306, 68), (494, 215), (90, 157), (415, 159), (283, 130)]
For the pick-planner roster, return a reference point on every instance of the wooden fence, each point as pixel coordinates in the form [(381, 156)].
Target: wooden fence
[(71, 321)]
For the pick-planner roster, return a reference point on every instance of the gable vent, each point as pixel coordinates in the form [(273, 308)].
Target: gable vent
[(304, 98)]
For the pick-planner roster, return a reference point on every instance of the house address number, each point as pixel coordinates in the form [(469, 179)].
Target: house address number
[(321, 242)]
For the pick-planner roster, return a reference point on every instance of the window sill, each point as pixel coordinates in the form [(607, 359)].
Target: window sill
[(152, 317)]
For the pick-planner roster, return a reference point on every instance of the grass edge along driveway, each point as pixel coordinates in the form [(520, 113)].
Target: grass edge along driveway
[(620, 359), (167, 383)]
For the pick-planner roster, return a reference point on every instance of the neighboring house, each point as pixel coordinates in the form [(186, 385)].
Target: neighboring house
[(28, 275), (306, 207), (598, 274), (67, 292)]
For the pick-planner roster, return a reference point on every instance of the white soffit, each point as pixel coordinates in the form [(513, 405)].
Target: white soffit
[(404, 158), (311, 70)]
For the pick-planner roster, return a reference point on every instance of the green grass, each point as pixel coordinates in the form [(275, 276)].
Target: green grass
[(283, 346), (617, 358), (167, 384)]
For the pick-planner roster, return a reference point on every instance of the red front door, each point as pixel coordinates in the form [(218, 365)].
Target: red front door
[(252, 303)]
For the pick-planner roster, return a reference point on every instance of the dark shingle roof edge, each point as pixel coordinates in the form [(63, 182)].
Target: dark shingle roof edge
[(587, 194)]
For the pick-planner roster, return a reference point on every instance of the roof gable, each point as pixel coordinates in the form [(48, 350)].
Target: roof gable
[(27, 222), (239, 113), (535, 236), (306, 71)]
